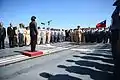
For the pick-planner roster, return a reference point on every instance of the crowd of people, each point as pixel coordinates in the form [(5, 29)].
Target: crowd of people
[(20, 36)]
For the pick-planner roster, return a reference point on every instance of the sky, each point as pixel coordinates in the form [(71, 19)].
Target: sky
[(63, 13)]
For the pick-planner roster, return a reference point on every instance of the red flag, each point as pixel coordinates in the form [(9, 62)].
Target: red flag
[(101, 24)]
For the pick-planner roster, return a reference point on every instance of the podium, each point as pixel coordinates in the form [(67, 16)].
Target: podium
[(32, 54)]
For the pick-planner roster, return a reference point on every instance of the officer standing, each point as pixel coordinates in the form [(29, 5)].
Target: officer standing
[(2, 36), (106, 36), (71, 35), (98, 36), (78, 34), (63, 32), (115, 30), (83, 35), (56, 36), (15, 36), (101, 35), (43, 35), (10, 33), (93, 35), (74, 35), (52, 35), (88, 34), (39, 36), (33, 33), (21, 35), (27, 36), (48, 35)]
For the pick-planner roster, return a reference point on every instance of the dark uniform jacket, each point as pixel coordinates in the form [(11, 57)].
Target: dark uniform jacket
[(10, 32), (116, 19), (33, 28), (2, 33)]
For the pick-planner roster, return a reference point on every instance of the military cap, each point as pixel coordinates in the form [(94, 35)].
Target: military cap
[(116, 3), (33, 17)]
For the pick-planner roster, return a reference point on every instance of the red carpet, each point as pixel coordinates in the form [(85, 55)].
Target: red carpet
[(32, 54)]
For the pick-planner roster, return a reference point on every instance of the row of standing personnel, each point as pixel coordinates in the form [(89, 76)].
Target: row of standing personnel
[(21, 36), (90, 35)]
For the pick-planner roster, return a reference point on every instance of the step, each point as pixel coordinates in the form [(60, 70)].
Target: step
[(32, 54)]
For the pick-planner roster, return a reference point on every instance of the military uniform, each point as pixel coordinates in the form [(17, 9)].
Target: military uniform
[(71, 36), (106, 36), (98, 36), (24, 36), (56, 36), (21, 35), (93, 36), (43, 35), (15, 36), (52, 35), (33, 33), (102, 35), (2, 37), (67, 33), (27, 37), (39, 36), (10, 33), (78, 35), (74, 36), (115, 30), (86, 36), (48, 36), (59, 36), (63, 35), (83, 36)]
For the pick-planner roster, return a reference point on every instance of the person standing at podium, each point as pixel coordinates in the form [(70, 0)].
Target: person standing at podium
[(33, 33)]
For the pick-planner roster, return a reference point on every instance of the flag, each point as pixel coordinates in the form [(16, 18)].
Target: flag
[(101, 24), (42, 23), (49, 22)]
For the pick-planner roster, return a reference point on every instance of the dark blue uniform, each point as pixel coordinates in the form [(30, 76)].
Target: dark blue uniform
[(33, 35), (115, 30), (10, 32), (2, 37)]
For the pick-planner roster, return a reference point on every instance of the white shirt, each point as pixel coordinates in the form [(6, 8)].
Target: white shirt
[(63, 32), (21, 30), (43, 32)]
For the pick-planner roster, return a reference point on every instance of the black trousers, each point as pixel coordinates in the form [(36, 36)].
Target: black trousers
[(15, 41), (105, 40), (33, 42), (52, 38), (116, 53), (55, 39), (11, 42), (2, 45), (21, 41), (86, 38)]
